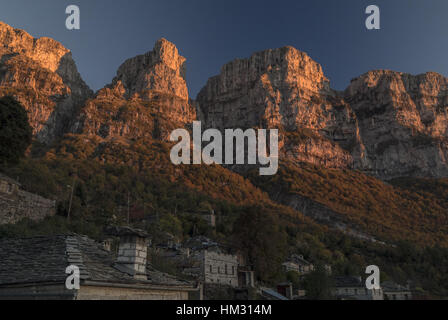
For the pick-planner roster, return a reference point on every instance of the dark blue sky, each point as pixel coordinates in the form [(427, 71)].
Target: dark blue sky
[(413, 36)]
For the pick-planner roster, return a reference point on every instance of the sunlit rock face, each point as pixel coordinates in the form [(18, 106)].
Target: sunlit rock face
[(285, 89), (386, 123), (403, 122), (147, 98), (42, 75)]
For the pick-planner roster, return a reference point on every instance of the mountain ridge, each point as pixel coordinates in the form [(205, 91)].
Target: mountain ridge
[(276, 88)]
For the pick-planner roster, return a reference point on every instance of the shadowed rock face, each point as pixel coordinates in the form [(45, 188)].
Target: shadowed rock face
[(147, 98), (42, 75), (386, 123), (403, 122)]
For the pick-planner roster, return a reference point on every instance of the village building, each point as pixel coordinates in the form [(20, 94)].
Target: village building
[(285, 289), (353, 288), (211, 263), (35, 268), (298, 264), (246, 277), (394, 291), (17, 204)]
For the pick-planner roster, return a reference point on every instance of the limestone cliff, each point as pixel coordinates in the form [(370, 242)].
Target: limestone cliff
[(42, 75), (403, 122), (285, 89), (147, 98), (386, 123)]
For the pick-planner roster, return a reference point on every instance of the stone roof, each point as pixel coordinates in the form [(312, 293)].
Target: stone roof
[(348, 281), (298, 259), (390, 286), (126, 231), (200, 243), (44, 260)]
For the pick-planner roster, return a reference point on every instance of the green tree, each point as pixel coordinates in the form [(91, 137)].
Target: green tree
[(318, 284), (258, 236), (15, 131)]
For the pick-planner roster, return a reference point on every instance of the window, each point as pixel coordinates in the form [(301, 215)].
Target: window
[(219, 270), (233, 270), (225, 270), (211, 269)]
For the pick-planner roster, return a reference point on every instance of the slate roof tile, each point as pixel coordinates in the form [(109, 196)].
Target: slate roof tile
[(45, 259)]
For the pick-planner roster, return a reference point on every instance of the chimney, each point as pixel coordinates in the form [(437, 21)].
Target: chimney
[(132, 251)]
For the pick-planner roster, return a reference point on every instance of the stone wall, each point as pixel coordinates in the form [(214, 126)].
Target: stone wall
[(219, 268), (115, 293), (16, 204)]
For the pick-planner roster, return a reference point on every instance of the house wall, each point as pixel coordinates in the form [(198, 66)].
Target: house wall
[(359, 293), (397, 295), (220, 268), (36, 292), (299, 268), (113, 293)]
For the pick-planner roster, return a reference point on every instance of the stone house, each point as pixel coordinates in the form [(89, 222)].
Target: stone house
[(8, 186), (212, 266), (353, 288), (219, 268), (246, 277), (298, 264), (211, 263), (16, 204), (35, 268)]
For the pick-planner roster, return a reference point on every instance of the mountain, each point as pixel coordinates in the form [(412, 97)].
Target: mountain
[(386, 124), (361, 171), (147, 98), (42, 75), (403, 123)]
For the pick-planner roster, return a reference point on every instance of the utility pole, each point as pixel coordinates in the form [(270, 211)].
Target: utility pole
[(71, 198)]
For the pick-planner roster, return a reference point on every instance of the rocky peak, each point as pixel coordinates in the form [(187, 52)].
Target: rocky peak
[(403, 121), (161, 70), (274, 86), (285, 89), (274, 67), (386, 123), (45, 51), (147, 99), (42, 75)]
